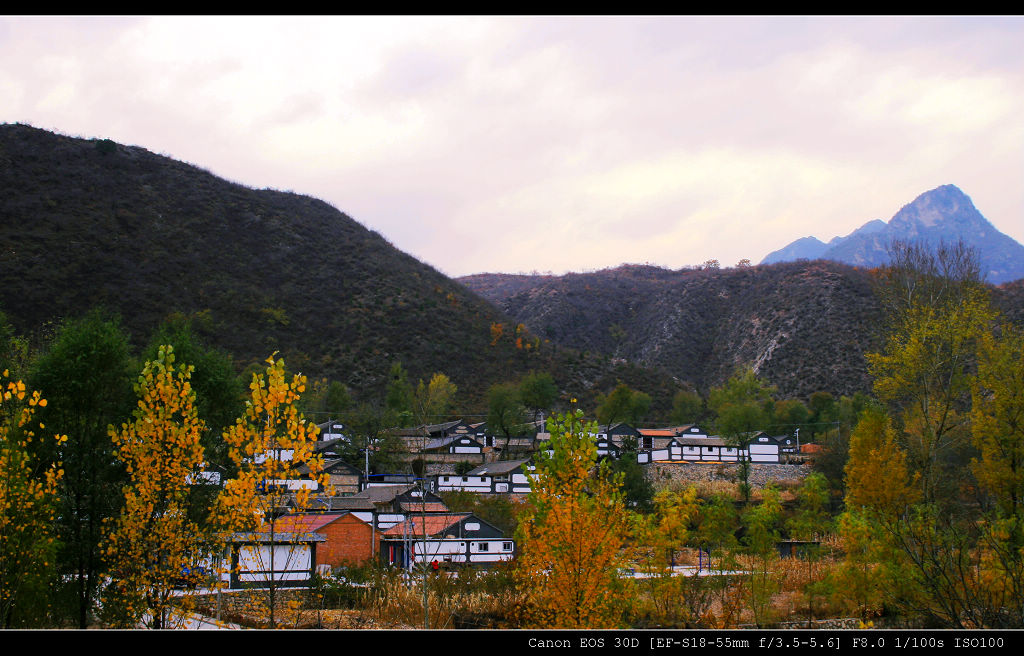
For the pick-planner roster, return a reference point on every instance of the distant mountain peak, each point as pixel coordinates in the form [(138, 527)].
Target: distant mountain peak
[(943, 206), (942, 214)]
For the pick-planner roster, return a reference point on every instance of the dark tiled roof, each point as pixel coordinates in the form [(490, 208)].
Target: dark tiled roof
[(433, 524), (498, 467)]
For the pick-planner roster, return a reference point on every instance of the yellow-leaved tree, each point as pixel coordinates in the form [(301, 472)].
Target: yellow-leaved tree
[(661, 598), (997, 426), (274, 449), (877, 477), (573, 535), (154, 543), (938, 309), (27, 504)]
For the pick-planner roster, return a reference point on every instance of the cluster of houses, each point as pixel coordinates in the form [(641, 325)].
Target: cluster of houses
[(401, 520)]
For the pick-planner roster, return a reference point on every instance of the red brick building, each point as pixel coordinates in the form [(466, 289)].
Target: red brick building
[(349, 540)]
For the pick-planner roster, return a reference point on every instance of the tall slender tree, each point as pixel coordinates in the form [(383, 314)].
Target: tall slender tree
[(273, 447), (86, 376), (573, 536), (28, 504), (153, 541)]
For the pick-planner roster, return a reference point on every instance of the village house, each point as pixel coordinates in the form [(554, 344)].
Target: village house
[(287, 558), (348, 540), (499, 477), (380, 508), (756, 447), (456, 538)]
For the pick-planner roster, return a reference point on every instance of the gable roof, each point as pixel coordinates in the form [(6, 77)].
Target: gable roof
[(424, 430), (308, 522), (433, 524), (382, 493), (497, 468), (656, 432), (427, 507), (440, 442), (442, 525)]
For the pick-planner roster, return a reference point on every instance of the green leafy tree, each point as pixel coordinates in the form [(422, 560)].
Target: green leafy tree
[(788, 416), (538, 392), (622, 404), (398, 400), (637, 488), (219, 399), (687, 407), (505, 412), (382, 452), (716, 532), (739, 406), (762, 535), (14, 351), (824, 411), (812, 522), (86, 376), (859, 578)]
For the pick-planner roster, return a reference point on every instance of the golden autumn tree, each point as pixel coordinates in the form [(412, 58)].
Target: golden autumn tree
[(153, 542), (274, 449), (662, 598), (938, 309), (997, 420), (573, 535), (997, 426), (877, 476), (27, 507)]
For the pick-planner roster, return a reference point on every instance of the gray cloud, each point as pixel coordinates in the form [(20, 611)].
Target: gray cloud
[(555, 143)]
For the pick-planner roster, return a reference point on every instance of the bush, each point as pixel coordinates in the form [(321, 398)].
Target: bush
[(106, 147)]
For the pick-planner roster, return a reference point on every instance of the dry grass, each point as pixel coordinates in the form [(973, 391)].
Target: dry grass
[(489, 599)]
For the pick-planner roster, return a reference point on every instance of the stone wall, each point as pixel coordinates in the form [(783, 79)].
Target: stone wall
[(233, 604), (701, 472)]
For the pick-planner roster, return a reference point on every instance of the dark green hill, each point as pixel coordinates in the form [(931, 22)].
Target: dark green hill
[(87, 223)]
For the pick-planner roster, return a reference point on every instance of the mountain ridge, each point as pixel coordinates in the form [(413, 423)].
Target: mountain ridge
[(945, 213), (92, 223)]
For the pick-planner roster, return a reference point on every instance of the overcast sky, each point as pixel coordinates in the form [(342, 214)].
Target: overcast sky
[(554, 144)]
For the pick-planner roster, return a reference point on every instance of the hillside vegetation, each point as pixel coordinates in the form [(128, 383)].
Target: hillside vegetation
[(802, 326), (92, 223)]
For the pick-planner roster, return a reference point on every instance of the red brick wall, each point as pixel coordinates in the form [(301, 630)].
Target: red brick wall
[(348, 542)]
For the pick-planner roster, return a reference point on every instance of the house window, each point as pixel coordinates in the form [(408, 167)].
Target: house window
[(506, 546), (483, 546)]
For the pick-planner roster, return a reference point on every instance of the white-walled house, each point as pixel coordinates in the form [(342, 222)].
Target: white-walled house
[(499, 477), (757, 447), (255, 559), (457, 538)]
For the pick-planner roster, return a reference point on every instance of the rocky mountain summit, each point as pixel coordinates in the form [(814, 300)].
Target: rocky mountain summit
[(943, 214)]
